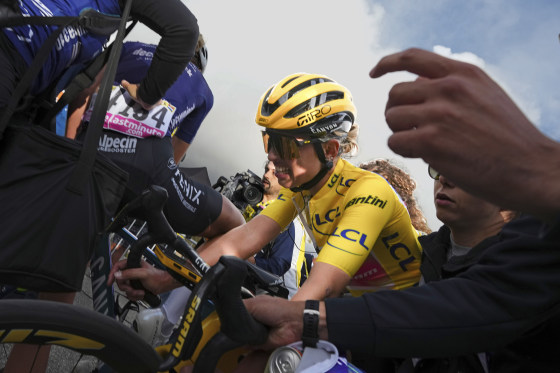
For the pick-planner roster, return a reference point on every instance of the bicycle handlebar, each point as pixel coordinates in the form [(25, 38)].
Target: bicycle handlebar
[(222, 283), (238, 327)]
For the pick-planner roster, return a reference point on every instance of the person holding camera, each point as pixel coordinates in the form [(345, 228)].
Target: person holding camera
[(285, 255)]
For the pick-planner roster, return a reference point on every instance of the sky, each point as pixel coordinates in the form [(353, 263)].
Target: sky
[(253, 44)]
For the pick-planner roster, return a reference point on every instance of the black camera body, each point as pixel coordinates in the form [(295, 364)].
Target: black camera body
[(245, 190)]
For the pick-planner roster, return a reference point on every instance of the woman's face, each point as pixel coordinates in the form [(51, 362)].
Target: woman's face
[(295, 172)]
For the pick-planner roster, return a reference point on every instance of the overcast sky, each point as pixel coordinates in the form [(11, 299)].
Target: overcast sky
[(254, 43)]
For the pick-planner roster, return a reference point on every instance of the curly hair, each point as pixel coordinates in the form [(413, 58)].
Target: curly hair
[(404, 185)]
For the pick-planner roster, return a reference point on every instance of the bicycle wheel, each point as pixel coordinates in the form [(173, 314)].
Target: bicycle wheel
[(77, 328)]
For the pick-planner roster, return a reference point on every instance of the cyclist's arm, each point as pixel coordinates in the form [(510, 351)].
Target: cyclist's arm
[(180, 148), (229, 218), (243, 241), (153, 279), (178, 28), (325, 281)]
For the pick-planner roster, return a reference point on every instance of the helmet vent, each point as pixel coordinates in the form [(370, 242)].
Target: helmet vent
[(289, 81), (314, 102)]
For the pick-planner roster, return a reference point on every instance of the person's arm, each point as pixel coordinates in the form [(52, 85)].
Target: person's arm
[(155, 280), (243, 241), (324, 281), (285, 319), (513, 288), (77, 107), (178, 29), (180, 148), (486, 134), (190, 125)]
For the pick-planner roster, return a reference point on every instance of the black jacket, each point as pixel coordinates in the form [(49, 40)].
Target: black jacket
[(501, 300)]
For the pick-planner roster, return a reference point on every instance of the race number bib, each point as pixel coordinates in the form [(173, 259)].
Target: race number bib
[(126, 116)]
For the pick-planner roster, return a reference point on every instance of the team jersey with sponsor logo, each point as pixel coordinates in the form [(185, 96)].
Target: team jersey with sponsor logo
[(74, 45), (360, 225), (189, 98)]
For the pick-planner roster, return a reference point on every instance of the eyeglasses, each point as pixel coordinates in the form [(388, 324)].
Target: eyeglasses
[(286, 147), (433, 173)]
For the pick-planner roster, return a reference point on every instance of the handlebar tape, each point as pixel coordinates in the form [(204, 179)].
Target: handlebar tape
[(236, 322)]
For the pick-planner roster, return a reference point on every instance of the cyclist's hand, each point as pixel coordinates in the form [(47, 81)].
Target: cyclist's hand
[(152, 279), (283, 317), (133, 92)]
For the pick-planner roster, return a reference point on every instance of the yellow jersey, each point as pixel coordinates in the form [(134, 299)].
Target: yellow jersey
[(360, 225)]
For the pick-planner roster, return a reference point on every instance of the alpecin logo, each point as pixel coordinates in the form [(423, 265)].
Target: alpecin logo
[(110, 144)]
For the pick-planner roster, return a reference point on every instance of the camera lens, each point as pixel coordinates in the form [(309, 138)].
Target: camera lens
[(252, 195)]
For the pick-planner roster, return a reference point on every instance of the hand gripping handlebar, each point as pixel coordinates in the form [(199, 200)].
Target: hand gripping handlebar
[(221, 284)]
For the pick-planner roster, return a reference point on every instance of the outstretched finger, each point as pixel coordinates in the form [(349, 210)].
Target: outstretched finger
[(415, 143), (409, 93), (416, 61)]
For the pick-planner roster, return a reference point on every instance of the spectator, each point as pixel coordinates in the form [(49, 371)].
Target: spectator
[(285, 255), (471, 225)]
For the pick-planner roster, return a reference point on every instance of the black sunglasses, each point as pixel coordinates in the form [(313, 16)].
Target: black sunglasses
[(433, 173)]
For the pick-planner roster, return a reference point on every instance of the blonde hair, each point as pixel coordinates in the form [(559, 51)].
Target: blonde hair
[(349, 145), (196, 57), (200, 43), (404, 185)]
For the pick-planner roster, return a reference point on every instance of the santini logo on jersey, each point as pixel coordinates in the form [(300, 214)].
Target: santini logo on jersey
[(369, 200), (109, 144)]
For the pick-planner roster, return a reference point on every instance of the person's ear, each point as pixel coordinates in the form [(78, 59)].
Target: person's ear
[(331, 149)]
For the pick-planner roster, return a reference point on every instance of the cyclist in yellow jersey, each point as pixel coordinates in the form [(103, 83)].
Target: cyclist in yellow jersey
[(362, 230)]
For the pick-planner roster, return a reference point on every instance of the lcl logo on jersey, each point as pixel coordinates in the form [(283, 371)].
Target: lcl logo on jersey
[(351, 235), (329, 217), (343, 182)]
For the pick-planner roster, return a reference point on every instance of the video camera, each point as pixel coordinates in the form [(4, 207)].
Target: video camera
[(245, 190)]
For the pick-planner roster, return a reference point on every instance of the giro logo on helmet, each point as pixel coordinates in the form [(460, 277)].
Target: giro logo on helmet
[(314, 115)]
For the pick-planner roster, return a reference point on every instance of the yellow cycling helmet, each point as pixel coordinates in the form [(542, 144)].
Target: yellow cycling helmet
[(307, 106)]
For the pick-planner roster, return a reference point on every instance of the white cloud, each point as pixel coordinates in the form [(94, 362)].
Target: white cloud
[(463, 56)]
